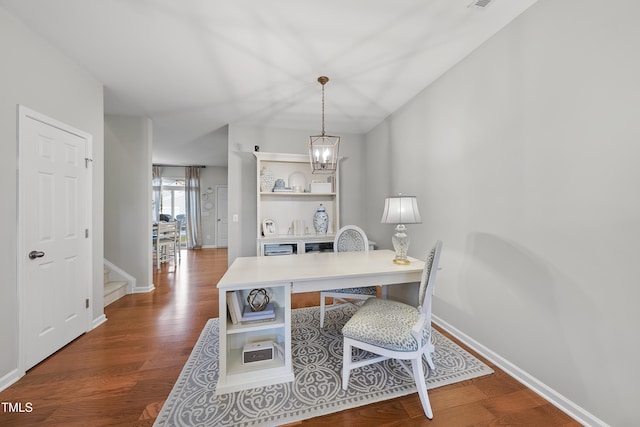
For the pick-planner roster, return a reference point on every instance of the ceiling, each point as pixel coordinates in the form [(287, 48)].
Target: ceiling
[(194, 66)]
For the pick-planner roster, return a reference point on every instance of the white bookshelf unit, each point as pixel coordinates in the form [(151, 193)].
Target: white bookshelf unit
[(292, 211), (236, 375)]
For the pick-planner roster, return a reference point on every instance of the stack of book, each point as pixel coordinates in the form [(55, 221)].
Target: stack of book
[(269, 313), (243, 314)]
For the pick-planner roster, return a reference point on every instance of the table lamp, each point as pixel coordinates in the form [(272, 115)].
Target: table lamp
[(401, 210)]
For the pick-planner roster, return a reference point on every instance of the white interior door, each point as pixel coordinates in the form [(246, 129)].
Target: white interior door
[(54, 246), (222, 221)]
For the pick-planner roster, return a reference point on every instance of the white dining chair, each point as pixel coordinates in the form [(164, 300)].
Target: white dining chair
[(349, 238), (394, 330), (167, 242)]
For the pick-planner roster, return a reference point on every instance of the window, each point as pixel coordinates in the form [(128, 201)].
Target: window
[(172, 203)]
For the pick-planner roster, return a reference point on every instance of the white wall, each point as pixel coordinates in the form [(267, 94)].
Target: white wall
[(127, 197), (524, 159), (242, 178), (41, 78)]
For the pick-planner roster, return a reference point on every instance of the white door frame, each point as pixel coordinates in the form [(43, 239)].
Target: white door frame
[(217, 213), (25, 113)]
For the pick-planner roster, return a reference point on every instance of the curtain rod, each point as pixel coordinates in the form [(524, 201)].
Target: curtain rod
[(180, 166)]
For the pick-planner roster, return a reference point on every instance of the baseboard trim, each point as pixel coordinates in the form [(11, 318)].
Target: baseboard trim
[(98, 321), (10, 378), (142, 290), (561, 402)]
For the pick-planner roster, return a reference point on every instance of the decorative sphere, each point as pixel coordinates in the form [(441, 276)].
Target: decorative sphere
[(258, 299)]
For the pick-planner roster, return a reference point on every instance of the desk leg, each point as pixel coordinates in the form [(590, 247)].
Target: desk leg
[(222, 336), (287, 330)]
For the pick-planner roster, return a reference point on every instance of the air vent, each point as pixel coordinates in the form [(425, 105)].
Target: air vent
[(480, 4)]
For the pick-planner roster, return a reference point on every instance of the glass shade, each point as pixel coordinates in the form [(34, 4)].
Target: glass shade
[(323, 153)]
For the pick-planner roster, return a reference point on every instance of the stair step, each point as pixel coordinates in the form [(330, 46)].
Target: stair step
[(113, 291)]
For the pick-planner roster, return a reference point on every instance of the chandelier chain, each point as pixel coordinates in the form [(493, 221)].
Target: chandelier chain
[(322, 109)]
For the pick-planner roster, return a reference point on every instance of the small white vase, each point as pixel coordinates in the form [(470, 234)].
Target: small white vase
[(266, 180)]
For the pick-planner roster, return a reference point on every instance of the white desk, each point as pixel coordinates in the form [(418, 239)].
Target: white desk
[(283, 275)]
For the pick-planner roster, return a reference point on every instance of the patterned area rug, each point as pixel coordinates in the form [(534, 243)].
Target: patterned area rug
[(317, 390)]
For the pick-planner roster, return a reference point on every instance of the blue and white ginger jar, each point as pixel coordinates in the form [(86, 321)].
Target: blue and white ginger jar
[(321, 220)]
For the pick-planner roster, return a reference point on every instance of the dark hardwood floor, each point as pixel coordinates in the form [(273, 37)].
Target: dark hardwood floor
[(120, 373)]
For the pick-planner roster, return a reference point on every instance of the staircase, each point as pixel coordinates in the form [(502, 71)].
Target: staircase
[(113, 290)]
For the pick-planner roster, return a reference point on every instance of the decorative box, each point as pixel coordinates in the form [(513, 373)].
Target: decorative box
[(321, 187)]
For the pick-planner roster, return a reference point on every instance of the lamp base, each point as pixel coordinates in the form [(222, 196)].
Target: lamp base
[(400, 242)]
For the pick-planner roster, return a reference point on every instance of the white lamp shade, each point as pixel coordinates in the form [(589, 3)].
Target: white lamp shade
[(401, 210)]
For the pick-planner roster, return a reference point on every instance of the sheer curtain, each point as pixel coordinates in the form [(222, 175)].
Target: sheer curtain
[(192, 206), (156, 182)]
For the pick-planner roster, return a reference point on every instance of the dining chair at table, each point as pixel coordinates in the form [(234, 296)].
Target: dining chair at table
[(167, 242), (349, 238), (394, 330)]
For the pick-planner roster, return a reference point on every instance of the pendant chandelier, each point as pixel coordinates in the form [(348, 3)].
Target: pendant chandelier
[(323, 149)]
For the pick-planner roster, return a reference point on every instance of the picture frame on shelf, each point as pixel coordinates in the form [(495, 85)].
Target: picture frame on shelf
[(269, 227)]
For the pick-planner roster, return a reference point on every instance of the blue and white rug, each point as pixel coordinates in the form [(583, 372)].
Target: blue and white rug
[(316, 390)]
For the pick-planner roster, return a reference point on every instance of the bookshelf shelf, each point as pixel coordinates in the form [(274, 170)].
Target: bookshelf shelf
[(279, 321)]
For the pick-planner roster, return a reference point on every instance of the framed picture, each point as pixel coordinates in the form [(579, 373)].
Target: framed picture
[(269, 227)]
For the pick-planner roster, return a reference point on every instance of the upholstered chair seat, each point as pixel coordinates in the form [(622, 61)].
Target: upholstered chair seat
[(387, 324)]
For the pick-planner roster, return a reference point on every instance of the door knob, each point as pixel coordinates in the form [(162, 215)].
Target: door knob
[(35, 254)]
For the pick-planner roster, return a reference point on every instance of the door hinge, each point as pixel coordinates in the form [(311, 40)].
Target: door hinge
[(86, 162), (86, 233), (86, 305)]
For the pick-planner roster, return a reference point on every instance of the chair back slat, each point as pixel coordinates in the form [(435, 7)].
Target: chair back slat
[(428, 279)]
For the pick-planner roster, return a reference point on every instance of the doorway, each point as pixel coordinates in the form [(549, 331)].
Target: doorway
[(173, 205), (54, 238)]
